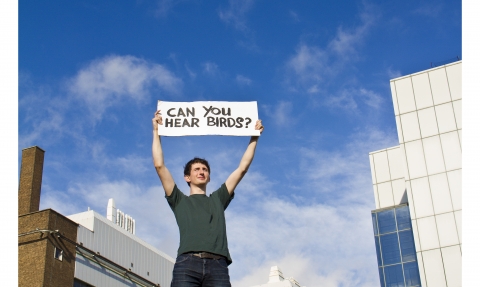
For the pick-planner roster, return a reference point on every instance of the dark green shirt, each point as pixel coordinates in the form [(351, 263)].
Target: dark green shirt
[(201, 221)]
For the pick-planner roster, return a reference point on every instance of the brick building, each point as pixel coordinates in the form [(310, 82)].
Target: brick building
[(46, 238)]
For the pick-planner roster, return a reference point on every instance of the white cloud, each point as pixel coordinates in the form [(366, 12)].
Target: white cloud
[(242, 80), (433, 10), (281, 114), (294, 16), (210, 68), (309, 65), (346, 40), (235, 13), (392, 74), (109, 80), (53, 123), (350, 99), (163, 7), (190, 72), (312, 69)]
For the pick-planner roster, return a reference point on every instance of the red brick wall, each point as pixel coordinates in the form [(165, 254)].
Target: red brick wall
[(36, 263)]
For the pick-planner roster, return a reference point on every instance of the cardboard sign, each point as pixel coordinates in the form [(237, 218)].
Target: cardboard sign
[(208, 118)]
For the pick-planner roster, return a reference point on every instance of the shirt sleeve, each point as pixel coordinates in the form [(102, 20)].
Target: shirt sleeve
[(175, 198), (223, 195)]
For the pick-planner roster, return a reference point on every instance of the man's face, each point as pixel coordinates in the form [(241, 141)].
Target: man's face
[(199, 175)]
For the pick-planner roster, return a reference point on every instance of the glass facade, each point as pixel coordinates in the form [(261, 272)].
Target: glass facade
[(396, 255)]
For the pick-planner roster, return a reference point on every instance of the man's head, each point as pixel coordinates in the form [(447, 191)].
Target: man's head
[(197, 170)]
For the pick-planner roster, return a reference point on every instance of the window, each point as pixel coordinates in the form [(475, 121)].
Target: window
[(374, 221), (403, 218), (382, 278), (395, 247), (58, 254), (407, 245), (394, 276), (412, 278), (390, 249), (386, 221)]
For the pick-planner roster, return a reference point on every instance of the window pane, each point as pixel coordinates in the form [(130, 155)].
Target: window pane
[(394, 276), (382, 278), (407, 245), (403, 218), (377, 246), (374, 221), (390, 249), (58, 254), (386, 221), (412, 278)]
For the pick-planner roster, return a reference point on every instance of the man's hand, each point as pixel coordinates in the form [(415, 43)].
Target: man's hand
[(259, 126), (157, 120)]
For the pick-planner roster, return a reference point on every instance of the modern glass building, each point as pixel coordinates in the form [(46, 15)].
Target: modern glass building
[(417, 184), (396, 256)]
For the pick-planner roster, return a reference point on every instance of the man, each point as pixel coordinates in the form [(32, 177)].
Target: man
[(203, 256)]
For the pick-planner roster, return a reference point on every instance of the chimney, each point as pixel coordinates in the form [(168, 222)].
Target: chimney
[(276, 275), (30, 180)]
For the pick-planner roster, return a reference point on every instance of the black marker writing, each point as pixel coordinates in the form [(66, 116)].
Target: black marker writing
[(177, 123), (217, 111), (190, 112), (226, 122)]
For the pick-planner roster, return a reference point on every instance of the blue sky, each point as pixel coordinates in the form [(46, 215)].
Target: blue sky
[(90, 74)]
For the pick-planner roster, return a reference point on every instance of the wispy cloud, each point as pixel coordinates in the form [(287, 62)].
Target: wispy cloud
[(243, 81), (163, 7), (392, 74), (308, 67), (350, 99), (311, 65), (281, 114), (235, 13), (51, 112), (430, 10), (106, 81), (312, 69), (346, 40), (294, 16), (190, 72), (210, 68)]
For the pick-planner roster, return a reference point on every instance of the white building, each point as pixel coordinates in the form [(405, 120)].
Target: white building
[(276, 279), (424, 175), (110, 255)]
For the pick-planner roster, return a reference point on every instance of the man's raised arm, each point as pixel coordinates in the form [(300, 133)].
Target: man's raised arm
[(157, 154), (237, 175)]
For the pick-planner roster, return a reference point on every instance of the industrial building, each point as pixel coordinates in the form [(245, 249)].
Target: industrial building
[(418, 184), (80, 250), (276, 279)]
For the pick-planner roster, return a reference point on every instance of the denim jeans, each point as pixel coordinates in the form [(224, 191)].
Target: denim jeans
[(192, 271)]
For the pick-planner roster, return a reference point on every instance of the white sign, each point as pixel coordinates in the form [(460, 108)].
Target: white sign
[(208, 118)]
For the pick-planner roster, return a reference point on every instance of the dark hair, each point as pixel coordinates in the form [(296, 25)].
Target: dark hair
[(188, 167)]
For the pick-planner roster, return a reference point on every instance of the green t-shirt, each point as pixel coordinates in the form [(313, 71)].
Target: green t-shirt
[(201, 221)]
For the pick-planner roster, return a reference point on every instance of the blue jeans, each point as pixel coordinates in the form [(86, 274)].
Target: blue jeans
[(192, 271)]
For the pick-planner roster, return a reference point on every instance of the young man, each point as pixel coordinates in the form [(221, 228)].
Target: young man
[(203, 256)]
